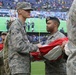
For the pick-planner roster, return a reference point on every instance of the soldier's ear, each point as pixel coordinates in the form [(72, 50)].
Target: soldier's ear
[(55, 24), (19, 11)]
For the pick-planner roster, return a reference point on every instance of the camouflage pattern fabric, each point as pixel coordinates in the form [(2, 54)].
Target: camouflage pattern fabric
[(71, 30), (5, 56), (19, 49), (2, 71)]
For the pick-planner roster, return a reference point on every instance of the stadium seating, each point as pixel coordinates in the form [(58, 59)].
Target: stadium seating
[(54, 5)]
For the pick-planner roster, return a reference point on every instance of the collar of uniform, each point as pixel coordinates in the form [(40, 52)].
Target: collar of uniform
[(23, 25), (20, 21), (53, 35)]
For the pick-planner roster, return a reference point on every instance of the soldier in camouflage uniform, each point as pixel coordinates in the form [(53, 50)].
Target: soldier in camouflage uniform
[(71, 30), (2, 71), (57, 67), (19, 47), (5, 51), (1, 63), (5, 56)]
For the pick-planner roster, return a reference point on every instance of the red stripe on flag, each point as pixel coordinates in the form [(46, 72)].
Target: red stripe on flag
[(1, 47)]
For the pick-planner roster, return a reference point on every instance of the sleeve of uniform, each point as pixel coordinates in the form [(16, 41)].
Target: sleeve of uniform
[(19, 43), (71, 23)]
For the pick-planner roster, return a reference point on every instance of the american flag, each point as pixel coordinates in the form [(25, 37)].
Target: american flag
[(49, 51)]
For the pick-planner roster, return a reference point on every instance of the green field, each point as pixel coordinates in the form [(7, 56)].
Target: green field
[(40, 24), (37, 68), (3, 23)]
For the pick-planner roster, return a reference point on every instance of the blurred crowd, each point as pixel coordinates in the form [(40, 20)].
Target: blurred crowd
[(53, 5)]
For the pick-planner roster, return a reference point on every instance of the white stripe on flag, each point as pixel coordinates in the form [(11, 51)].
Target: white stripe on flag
[(54, 53)]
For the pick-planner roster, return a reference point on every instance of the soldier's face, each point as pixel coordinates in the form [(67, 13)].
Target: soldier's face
[(26, 13), (3, 37), (50, 26)]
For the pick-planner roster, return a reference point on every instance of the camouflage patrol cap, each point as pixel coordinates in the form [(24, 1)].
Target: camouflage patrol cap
[(24, 5), (4, 33)]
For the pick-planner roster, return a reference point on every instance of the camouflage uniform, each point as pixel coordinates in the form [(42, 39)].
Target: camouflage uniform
[(5, 51), (57, 67), (71, 30), (5, 56), (19, 48), (2, 70), (1, 63)]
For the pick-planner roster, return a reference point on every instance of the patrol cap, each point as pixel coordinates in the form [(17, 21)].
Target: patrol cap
[(24, 5), (53, 18), (4, 33)]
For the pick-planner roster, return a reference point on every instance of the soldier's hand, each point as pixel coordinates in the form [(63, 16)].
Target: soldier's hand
[(63, 45)]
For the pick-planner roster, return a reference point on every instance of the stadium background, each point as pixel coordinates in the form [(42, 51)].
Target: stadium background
[(40, 24)]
